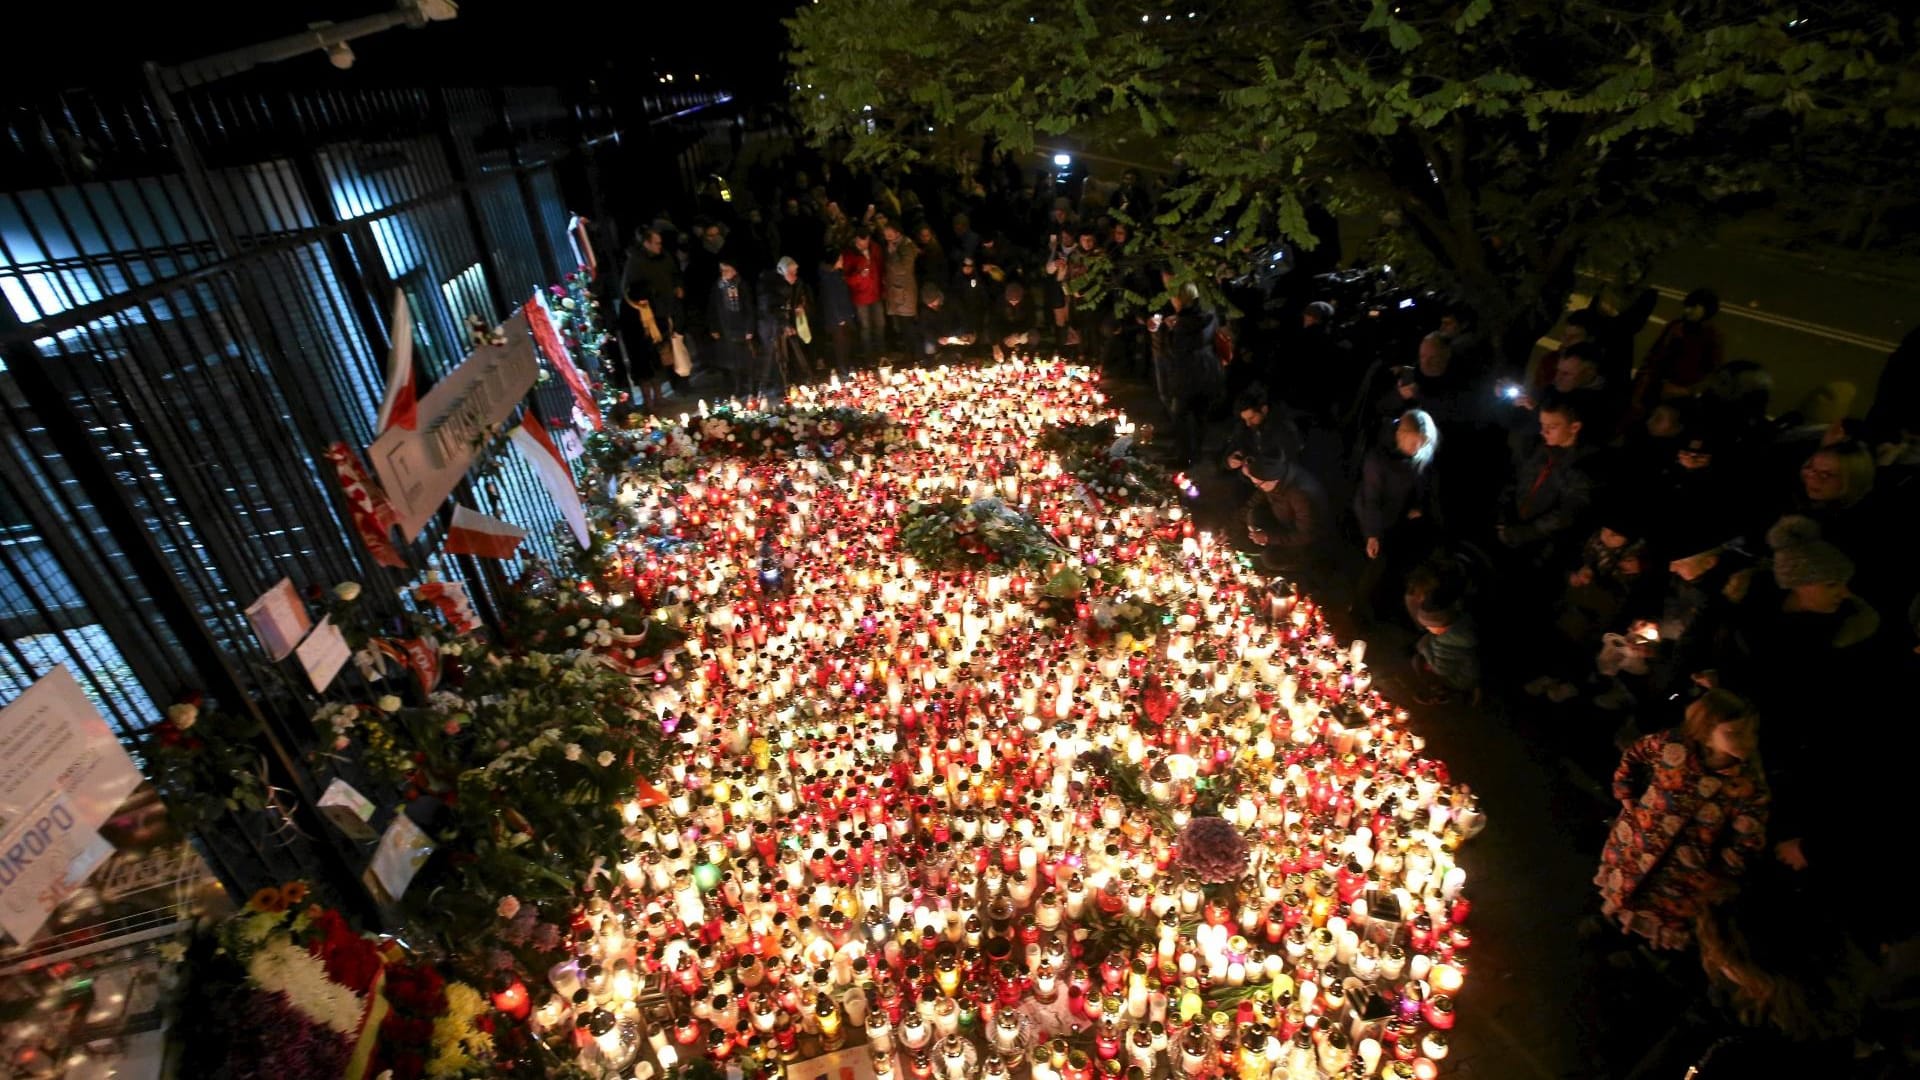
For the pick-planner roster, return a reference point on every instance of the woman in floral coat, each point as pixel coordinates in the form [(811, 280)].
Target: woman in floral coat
[(1693, 808)]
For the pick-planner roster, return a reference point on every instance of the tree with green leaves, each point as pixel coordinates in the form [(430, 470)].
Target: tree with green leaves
[(1501, 145)]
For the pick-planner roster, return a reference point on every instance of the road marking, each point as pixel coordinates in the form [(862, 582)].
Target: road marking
[(1784, 322)]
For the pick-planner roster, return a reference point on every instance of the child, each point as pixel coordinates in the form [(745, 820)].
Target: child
[(1447, 657)]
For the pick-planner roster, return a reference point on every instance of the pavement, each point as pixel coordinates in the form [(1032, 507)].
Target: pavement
[(1537, 1004)]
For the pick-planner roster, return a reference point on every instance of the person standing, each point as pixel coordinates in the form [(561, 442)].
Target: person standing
[(1687, 351), (861, 265), (1191, 379), (902, 290), (1693, 809), (650, 312), (1397, 509), (785, 315), (732, 319)]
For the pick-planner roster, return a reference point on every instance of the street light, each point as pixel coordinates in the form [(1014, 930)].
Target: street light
[(328, 38), (1063, 160)]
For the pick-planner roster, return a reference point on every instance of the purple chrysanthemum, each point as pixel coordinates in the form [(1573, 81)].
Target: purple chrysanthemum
[(1213, 849)]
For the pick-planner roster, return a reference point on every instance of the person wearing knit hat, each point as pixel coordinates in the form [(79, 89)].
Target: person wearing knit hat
[(1802, 559)]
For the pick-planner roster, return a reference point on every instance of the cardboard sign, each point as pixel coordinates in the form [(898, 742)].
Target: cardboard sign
[(279, 619), (419, 469), (63, 773)]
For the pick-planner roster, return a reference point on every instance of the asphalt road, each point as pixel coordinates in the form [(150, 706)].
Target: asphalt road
[(1807, 321)]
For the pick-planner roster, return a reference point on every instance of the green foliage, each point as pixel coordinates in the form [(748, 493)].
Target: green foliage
[(1501, 143), (1109, 469), (206, 765), (951, 534)]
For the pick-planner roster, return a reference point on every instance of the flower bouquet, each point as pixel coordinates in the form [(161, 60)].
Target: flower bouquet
[(1108, 465), (951, 534), (646, 445)]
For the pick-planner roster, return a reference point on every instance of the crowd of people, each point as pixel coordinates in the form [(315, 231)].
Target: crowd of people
[(1705, 606)]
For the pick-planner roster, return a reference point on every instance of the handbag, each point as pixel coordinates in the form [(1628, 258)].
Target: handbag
[(800, 328), (682, 360)]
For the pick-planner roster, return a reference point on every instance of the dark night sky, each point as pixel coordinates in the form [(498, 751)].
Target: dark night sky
[(491, 42)]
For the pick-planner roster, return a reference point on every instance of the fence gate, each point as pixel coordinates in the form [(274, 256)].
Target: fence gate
[(194, 302)]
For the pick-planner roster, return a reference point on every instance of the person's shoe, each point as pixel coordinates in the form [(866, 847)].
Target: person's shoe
[(1433, 696)]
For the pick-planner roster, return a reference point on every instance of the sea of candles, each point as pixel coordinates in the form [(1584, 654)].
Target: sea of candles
[(894, 815)]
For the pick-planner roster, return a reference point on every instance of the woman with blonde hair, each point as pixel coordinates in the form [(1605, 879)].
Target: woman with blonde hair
[(1693, 808)]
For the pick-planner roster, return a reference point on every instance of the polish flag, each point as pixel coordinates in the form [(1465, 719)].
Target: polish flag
[(537, 447), (400, 408), (474, 533)]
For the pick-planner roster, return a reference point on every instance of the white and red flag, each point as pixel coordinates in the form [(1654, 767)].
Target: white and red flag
[(537, 447), (475, 533), (401, 405)]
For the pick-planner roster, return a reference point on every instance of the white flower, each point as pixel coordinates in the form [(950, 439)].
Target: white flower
[(183, 715), (574, 751), (347, 591), (282, 966), (605, 759), (508, 907), (389, 703)]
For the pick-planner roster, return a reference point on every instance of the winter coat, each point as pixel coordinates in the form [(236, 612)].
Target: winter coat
[(1267, 448), (862, 273), (1293, 514), (1453, 656), (902, 291), (730, 310), (1183, 355), (653, 279), (781, 301), (836, 300), (1681, 841), (1684, 355), (1550, 496), (1390, 487), (1008, 320)]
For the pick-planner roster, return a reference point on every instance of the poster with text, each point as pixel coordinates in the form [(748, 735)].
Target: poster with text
[(63, 774)]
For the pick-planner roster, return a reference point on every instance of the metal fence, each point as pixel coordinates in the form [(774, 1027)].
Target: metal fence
[(195, 304)]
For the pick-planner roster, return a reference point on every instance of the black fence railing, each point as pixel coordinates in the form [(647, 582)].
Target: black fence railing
[(194, 303)]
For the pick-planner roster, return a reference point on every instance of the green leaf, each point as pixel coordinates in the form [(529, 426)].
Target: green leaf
[(1403, 36), (1476, 10)]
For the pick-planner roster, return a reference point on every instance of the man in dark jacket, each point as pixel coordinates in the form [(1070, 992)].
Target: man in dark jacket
[(732, 322), (1266, 438), (1286, 515), (1191, 380), (1543, 513), (1013, 324), (969, 298), (942, 334)]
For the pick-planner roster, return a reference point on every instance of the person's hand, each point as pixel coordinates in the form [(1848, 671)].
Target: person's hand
[(1581, 577), (1501, 532), (1406, 391), (1708, 679), (1790, 853), (679, 293), (1524, 401), (1415, 514), (714, 335), (1373, 547), (1258, 536), (1266, 485), (788, 331), (1236, 459)]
